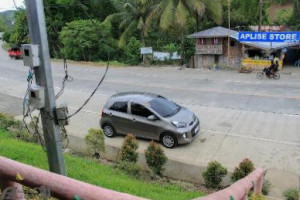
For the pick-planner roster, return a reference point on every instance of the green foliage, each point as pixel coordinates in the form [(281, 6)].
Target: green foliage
[(128, 150), (130, 168), (2, 25), (20, 33), (295, 19), (266, 187), (244, 13), (131, 17), (214, 174), (244, 168), (188, 50), (283, 17), (132, 51), (87, 41), (155, 158), (17, 128), (171, 48), (177, 13), (90, 171), (257, 197), (6, 35), (291, 194), (95, 141)]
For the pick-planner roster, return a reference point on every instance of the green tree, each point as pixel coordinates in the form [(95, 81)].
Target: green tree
[(132, 51), (19, 33), (178, 12), (244, 13), (2, 24), (283, 17), (88, 41), (130, 17), (295, 20)]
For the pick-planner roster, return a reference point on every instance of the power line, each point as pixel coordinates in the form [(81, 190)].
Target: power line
[(104, 75)]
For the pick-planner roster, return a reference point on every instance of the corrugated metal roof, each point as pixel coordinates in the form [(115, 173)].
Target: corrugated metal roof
[(213, 33)]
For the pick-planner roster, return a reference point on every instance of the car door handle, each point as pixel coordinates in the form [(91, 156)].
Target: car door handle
[(134, 120)]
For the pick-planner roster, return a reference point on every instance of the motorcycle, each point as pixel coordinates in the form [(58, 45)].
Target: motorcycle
[(274, 75)]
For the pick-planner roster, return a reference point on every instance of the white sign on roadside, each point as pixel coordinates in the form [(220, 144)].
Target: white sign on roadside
[(146, 50)]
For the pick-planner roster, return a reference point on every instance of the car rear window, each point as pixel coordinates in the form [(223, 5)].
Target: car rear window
[(119, 106), (164, 107)]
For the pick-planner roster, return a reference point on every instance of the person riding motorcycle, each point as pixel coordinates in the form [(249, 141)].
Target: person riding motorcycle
[(272, 69)]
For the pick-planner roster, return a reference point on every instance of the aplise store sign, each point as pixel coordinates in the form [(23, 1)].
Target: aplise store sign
[(269, 36)]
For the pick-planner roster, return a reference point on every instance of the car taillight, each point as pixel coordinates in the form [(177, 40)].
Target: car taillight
[(102, 112)]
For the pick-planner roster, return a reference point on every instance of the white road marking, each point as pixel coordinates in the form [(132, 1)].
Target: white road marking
[(253, 138)]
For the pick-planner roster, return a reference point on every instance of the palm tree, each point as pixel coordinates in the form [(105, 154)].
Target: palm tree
[(172, 12), (131, 16)]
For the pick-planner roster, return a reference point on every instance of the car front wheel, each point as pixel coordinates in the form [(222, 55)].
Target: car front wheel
[(108, 130), (169, 140)]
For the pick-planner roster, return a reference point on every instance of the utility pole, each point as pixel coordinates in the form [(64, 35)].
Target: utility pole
[(228, 44), (43, 74), (260, 14)]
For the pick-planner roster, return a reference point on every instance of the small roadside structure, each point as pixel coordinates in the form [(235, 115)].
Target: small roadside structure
[(212, 50)]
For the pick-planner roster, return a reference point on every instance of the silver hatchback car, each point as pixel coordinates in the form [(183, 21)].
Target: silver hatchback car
[(149, 116)]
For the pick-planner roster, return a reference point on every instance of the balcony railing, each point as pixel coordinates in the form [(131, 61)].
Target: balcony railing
[(14, 174)]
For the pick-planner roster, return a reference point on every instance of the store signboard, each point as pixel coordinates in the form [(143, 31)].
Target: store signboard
[(269, 36), (146, 50)]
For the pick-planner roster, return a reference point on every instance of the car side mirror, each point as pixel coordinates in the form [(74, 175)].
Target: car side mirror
[(152, 118)]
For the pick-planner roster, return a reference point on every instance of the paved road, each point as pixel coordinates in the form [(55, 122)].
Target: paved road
[(241, 116)]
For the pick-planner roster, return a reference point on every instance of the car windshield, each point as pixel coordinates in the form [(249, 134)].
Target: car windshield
[(164, 107)]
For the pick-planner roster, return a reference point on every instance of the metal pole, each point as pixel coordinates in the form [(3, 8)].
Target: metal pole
[(43, 74), (228, 44)]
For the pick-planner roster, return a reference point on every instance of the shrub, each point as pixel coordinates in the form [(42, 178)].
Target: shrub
[(95, 142), (266, 187), (244, 168), (291, 194), (130, 168), (132, 51), (155, 158), (214, 174), (128, 150), (257, 197)]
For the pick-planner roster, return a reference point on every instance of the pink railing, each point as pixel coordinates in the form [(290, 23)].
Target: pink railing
[(14, 174), (239, 190)]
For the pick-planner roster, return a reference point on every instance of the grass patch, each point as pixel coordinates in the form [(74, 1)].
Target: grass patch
[(92, 172), (112, 63)]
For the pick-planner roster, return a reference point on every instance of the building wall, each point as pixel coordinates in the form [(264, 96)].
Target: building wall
[(207, 60)]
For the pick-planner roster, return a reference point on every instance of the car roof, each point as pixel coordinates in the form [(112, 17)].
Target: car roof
[(139, 97)]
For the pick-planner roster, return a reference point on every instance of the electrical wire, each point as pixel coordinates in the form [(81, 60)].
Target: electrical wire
[(104, 75), (67, 78)]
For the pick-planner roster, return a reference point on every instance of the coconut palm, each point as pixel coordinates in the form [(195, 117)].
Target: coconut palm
[(131, 16), (172, 12)]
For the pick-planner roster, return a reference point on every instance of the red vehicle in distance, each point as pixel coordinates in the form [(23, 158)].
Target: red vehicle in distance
[(15, 53)]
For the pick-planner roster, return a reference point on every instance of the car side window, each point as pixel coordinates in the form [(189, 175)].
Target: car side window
[(119, 106), (140, 110)]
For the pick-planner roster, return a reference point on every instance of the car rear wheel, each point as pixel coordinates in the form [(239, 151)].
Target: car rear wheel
[(108, 130), (169, 140)]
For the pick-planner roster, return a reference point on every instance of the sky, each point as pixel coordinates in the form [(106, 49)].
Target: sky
[(9, 4)]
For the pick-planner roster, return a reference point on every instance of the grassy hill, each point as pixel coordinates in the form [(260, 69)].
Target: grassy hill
[(8, 17)]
